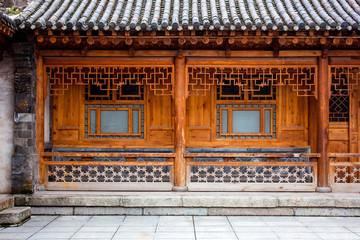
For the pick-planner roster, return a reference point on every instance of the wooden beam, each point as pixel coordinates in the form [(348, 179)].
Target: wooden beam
[(304, 53), (344, 53), (323, 125), (191, 53), (108, 61), (180, 120), (345, 60), (40, 117), (251, 61)]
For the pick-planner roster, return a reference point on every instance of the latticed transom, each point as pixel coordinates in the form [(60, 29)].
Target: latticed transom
[(253, 79), (106, 79)]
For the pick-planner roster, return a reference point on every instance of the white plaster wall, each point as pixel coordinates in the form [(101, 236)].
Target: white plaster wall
[(7, 69)]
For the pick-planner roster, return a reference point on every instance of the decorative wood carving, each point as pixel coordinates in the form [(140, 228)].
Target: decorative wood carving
[(160, 79), (344, 79), (303, 80)]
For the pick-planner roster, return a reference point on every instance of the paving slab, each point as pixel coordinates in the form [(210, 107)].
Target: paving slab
[(202, 227)]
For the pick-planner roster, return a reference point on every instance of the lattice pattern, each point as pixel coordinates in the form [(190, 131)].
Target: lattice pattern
[(160, 79), (133, 174), (251, 79), (345, 174), (339, 108), (344, 79), (251, 174)]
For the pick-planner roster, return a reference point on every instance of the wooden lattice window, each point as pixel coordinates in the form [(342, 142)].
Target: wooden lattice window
[(341, 83), (246, 121), (124, 92), (339, 109), (232, 91), (114, 121)]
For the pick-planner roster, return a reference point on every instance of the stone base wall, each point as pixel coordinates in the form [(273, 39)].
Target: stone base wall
[(7, 69), (25, 160)]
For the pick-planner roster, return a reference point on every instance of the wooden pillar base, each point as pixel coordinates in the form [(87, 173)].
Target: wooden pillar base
[(180, 189), (323, 189)]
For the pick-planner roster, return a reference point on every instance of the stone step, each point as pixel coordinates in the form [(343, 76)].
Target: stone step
[(6, 202), (191, 203), (14, 216)]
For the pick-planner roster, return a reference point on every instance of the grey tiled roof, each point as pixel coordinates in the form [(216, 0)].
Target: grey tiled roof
[(191, 14), (7, 21)]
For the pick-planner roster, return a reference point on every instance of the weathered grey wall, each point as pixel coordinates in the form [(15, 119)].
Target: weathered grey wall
[(25, 160), (7, 69)]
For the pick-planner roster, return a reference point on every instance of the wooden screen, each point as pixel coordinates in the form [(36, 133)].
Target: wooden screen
[(265, 106), (111, 106)]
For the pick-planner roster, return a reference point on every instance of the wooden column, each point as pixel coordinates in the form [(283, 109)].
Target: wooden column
[(180, 121), (323, 125), (40, 116)]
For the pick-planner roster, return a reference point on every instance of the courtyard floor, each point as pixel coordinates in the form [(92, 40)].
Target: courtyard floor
[(184, 227)]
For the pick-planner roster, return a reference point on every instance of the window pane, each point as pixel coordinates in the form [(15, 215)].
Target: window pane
[(246, 121), (267, 121), (224, 121), (92, 121), (114, 121), (128, 89), (135, 121)]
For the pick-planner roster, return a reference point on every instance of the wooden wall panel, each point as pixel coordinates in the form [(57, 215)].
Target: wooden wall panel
[(339, 138), (69, 121), (160, 109), (293, 115), (66, 115), (199, 112)]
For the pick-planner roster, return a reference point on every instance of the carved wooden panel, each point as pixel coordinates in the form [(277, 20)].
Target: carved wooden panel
[(93, 173), (303, 80), (344, 79), (111, 78), (251, 174)]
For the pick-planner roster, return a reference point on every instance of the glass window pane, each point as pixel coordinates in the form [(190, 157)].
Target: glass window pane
[(92, 121), (246, 121), (267, 121), (114, 121), (135, 121), (224, 121)]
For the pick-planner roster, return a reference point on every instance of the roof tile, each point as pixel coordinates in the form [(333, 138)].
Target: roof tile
[(191, 14)]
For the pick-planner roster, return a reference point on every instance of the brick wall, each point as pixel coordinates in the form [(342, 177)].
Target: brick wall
[(25, 160)]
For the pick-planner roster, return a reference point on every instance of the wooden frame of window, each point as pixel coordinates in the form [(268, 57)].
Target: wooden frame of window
[(99, 107), (230, 108)]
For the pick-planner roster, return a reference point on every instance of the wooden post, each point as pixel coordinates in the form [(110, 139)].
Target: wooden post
[(180, 120), (323, 124), (40, 116)]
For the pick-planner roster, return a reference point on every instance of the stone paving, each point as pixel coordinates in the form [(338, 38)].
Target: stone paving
[(184, 227)]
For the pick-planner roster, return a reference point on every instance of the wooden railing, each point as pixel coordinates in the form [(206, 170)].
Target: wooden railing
[(344, 172), (155, 171), (265, 171), (107, 171)]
